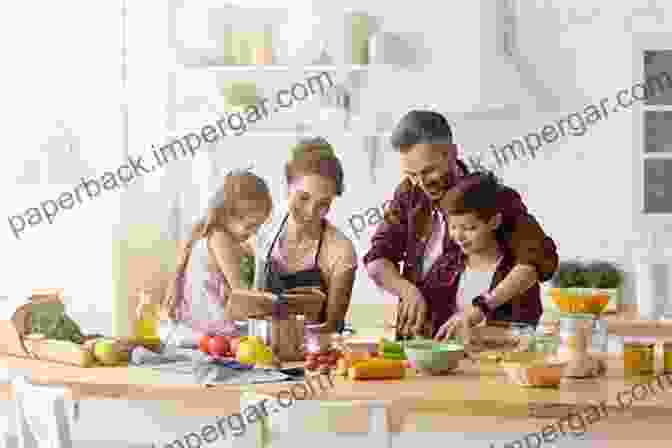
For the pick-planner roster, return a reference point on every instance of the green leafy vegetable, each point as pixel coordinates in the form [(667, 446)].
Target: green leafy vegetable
[(598, 274), (50, 320)]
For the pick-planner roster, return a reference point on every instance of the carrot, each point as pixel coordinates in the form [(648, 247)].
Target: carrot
[(378, 369)]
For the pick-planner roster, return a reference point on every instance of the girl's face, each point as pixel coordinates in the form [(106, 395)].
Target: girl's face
[(471, 233), (247, 219), (310, 198)]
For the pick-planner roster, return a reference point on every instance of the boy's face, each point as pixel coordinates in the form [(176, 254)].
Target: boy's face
[(471, 233)]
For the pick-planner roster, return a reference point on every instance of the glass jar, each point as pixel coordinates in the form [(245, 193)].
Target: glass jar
[(638, 356), (576, 331), (667, 357), (600, 337), (320, 348), (524, 334)]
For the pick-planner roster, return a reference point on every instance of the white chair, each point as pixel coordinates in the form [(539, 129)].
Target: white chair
[(287, 427), (8, 434), (43, 419)]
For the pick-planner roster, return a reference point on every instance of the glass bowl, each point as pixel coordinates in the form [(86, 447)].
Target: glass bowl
[(434, 358), (578, 300)]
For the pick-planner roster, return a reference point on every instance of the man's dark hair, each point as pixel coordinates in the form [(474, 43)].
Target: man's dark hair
[(421, 126)]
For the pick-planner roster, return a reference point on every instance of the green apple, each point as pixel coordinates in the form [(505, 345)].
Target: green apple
[(106, 352)]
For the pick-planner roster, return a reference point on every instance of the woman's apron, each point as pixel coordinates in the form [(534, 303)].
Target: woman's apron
[(279, 283), (288, 331)]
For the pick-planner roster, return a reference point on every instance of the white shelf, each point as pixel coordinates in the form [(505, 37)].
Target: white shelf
[(290, 133), (278, 68)]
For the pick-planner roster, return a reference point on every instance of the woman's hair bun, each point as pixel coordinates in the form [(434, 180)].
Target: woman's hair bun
[(313, 145)]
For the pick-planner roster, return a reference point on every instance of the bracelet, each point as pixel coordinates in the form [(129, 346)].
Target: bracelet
[(489, 299), (280, 307)]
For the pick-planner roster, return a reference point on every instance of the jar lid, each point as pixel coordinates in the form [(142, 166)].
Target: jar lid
[(576, 316), (639, 340)]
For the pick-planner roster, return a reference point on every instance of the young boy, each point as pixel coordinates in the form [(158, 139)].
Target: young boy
[(475, 226)]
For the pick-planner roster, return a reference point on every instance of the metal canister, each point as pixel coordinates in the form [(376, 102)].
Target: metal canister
[(262, 328), (316, 340), (639, 356)]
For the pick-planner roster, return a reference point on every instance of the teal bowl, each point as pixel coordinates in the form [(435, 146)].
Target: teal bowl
[(434, 358)]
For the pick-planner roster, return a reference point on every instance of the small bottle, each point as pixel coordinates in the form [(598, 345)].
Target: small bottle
[(147, 323)]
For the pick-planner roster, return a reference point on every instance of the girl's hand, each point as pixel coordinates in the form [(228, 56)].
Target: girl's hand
[(451, 328), (460, 325)]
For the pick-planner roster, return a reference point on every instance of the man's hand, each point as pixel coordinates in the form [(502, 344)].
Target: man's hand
[(412, 312)]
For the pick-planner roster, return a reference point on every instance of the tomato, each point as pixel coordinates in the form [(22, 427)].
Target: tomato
[(234, 342), (311, 356), (323, 359), (219, 345), (310, 365), (333, 357), (204, 343)]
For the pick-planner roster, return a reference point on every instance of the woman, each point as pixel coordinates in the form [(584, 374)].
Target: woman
[(209, 267), (299, 247), (475, 225)]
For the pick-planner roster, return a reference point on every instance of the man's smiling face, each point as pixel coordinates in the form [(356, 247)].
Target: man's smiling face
[(432, 166)]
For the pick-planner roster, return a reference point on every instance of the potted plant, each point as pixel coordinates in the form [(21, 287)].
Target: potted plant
[(607, 278), (586, 287)]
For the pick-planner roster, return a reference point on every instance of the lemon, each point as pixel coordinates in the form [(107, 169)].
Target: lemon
[(247, 352), (105, 352), (264, 355), (255, 340)]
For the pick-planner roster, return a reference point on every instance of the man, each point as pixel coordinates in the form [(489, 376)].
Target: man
[(415, 233)]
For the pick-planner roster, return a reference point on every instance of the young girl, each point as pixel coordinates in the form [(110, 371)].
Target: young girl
[(475, 225), (210, 264)]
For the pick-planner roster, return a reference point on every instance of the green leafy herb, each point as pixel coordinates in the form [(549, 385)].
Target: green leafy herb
[(598, 274), (50, 320)]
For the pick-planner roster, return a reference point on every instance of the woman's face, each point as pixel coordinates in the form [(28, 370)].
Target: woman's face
[(471, 233), (247, 219), (310, 199)]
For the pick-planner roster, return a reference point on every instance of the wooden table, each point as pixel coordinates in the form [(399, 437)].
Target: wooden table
[(473, 398)]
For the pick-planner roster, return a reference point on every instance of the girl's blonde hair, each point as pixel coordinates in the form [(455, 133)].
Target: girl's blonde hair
[(239, 186)]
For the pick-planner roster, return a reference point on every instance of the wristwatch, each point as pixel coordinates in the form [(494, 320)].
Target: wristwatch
[(480, 302)]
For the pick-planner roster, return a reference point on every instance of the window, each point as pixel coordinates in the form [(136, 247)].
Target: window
[(652, 132)]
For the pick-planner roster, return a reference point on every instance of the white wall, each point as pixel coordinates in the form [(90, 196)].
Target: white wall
[(61, 63), (579, 188)]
